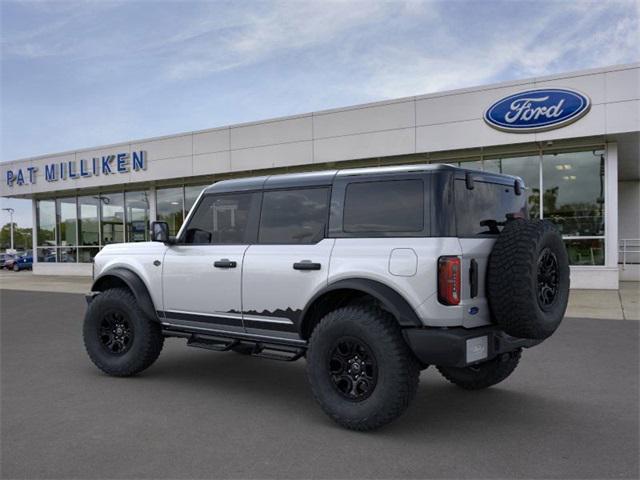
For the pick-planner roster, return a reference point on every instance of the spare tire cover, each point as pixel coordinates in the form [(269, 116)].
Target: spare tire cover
[(528, 279)]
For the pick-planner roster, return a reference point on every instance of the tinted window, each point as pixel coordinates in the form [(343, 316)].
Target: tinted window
[(387, 206), (221, 219), (483, 210), (294, 216)]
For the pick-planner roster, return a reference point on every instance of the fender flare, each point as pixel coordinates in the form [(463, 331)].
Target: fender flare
[(392, 301), (135, 284)]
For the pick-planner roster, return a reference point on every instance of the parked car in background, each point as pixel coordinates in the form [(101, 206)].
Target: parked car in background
[(6, 258), (23, 262)]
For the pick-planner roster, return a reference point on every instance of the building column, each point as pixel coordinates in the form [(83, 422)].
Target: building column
[(34, 231), (611, 205), (152, 204)]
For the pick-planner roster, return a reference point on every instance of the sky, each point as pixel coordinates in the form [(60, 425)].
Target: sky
[(86, 73)]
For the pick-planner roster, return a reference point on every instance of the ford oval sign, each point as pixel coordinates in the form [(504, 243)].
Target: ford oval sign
[(537, 110)]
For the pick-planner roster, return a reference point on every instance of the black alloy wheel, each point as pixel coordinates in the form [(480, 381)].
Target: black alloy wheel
[(353, 369), (547, 278), (116, 332)]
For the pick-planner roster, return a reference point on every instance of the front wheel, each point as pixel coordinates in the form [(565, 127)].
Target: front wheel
[(485, 374), (119, 338), (16, 268), (360, 369)]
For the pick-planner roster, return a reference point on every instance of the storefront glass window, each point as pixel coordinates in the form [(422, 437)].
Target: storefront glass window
[(112, 222), (67, 212), (88, 221), (85, 254), (190, 196), (527, 168), (574, 192), (169, 207), (585, 252), (46, 218), (137, 216), (46, 254), (573, 199)]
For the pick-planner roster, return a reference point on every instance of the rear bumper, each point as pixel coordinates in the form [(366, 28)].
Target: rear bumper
[(460, 347)]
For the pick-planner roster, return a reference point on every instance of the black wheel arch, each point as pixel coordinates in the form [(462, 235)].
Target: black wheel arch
[(350, 290), (123, 277)]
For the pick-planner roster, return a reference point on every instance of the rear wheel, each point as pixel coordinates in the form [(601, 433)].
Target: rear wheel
[(485, 374), (118, 337), (360, 369), (16, 268)]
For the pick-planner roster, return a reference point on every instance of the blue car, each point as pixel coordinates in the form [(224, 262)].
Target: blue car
[(24, 262)]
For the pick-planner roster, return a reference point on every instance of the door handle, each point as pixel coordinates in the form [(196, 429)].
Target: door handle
[(306, 265), (224, 263)]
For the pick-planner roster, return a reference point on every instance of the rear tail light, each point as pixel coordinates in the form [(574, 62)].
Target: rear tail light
[(449, 280)]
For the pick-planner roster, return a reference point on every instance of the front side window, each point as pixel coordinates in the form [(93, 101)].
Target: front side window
[(294, 216), (386, 206), (222, 219)]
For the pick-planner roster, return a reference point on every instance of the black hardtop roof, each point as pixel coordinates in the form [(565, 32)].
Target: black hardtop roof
[(327, 177)]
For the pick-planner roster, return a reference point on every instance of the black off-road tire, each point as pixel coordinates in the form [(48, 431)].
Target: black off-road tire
[(397, 370), (145, 345), (517, 282), (484, 374)]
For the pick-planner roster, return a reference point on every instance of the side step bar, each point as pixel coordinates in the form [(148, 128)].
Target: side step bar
[(219, 345), (283, 350)]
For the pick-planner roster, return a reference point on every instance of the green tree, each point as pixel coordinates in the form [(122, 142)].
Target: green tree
[(22, 237)]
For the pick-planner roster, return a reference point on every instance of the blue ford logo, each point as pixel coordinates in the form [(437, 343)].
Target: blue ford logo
[(537, 110)]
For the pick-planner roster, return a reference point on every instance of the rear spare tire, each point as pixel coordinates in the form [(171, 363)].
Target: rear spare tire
[(528, 279)]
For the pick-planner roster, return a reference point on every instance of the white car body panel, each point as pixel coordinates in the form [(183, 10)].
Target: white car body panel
[(193, 285), (373, 258), (270, 284), (137, 257)]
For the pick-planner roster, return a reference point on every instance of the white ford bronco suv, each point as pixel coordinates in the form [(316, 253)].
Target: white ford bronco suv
[(370, 274)]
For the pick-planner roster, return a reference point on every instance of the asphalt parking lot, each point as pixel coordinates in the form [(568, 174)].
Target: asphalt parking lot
[(569, 411)]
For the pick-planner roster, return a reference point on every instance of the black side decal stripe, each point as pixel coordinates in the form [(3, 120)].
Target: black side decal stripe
[(194, 317), (280, 327), (236, 322)]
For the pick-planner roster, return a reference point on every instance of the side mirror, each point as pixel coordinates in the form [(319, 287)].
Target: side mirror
[(160, 232)]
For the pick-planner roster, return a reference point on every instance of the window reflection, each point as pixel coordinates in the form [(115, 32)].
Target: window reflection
[(527, 168), (574, 192), (585, 252), (88, 220), (112, 214), (169, 208), (190, 196), (137, 216), (66, 221), (46, 222)]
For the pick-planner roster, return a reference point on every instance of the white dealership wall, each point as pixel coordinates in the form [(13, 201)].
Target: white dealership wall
[(428, 124)]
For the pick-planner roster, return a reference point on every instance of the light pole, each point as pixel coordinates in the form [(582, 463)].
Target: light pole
[(11, 212)]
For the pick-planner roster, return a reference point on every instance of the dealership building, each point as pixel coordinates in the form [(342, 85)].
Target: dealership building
[(574, 138)]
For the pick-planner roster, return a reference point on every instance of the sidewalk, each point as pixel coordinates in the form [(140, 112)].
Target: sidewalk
[(26, 280), (623, 304)]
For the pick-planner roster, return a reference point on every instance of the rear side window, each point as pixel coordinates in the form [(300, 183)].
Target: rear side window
[(384, 206), (222, 219), (294, 216), (483, 210)]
